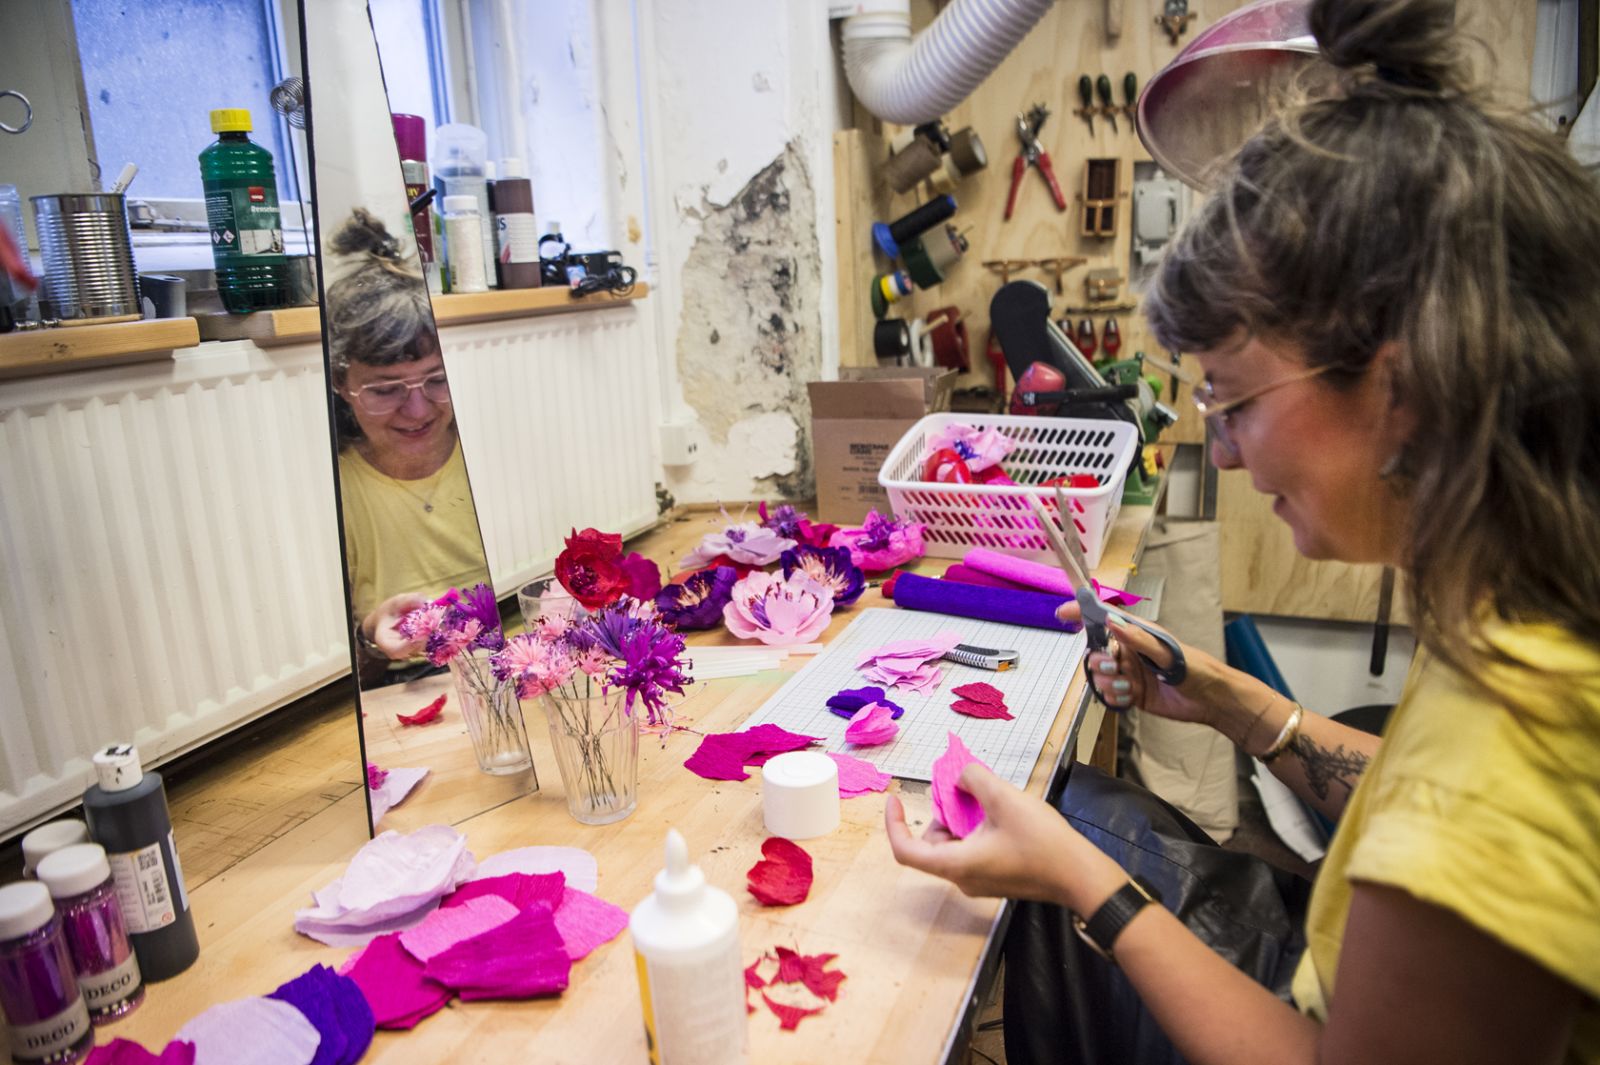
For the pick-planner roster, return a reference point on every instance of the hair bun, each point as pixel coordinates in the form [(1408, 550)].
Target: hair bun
[(363, 232), (1412, 43)]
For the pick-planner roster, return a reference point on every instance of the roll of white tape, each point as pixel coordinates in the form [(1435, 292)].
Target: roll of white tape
[(800, 795)]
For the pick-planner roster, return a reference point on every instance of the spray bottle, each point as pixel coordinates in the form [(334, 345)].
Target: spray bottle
[(691, 980)]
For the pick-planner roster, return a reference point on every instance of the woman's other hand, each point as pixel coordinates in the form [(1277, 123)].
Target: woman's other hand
[(1125, 680), (380, 626)]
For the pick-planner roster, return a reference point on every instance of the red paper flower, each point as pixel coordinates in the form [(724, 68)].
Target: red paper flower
[(783, 875), (591, 568)]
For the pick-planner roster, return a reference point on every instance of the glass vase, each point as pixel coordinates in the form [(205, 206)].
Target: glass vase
[(596, 743), (493, 716), (544, 598)]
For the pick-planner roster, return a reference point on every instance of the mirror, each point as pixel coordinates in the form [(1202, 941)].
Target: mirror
[(410, 528)]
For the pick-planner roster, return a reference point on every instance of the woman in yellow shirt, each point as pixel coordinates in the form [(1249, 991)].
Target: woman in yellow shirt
[(1394, 292)]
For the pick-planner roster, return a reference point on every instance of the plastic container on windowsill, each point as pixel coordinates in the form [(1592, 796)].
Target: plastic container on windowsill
[(963, 516)]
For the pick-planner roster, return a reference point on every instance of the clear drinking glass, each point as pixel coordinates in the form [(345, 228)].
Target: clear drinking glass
[(596, 743), (546, 596), (493, 716)]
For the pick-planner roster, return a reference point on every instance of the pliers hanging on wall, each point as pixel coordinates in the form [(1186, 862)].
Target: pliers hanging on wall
[(1032, 155)]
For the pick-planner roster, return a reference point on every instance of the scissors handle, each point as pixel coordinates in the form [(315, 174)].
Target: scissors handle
[(1174, 674)]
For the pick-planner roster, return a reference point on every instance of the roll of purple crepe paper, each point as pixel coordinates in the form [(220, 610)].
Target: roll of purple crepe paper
[(968, 575), (1034, 575), (1036, 610)]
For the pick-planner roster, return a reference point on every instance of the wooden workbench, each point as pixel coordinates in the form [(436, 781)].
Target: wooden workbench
[(915, 950)]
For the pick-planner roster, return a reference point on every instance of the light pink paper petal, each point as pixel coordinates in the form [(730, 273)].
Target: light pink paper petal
[(444, 928), (957, 810), (390, 877), (871, 725), (252, 1031), (336, 934), (919, 650), (578, 865), (857, 776), (587, 921), (523, 958), (396, 788)]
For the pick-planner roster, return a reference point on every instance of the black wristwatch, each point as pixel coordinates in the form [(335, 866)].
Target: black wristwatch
[(1102, 930)]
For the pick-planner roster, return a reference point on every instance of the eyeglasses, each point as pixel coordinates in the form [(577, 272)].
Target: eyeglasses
[(1216, 413), (386, 397)]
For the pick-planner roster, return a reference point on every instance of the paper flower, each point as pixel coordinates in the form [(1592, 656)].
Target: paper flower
[(848, 701), (697, 603), (881, 543), (746, 542), (534, 664), (794, 524), (981, 448), (644, 577), (651, 667), (830, 567), (778, 610), (591, 568), (872, 724), (455, 622)]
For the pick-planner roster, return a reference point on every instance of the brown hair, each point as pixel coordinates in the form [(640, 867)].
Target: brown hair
[(1407, 207), (378, 313)]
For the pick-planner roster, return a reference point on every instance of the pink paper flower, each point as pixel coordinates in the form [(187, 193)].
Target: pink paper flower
[(881, 543), (778, 610), (745, 542), (872, 724), (981, 448)]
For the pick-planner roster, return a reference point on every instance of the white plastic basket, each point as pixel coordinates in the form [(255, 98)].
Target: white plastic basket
[(963, 516)]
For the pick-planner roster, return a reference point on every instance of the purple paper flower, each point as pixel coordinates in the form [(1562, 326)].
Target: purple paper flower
[(744, 542), (830, 567), (848, 701), (697, 603), (651, 668), (611, 626), (881, 543), (778, 610), (455, 622)]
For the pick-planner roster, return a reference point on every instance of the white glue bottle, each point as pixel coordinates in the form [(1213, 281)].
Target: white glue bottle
[(691, 980)]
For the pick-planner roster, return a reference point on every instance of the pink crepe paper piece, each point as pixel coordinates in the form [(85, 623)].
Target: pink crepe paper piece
[(523, 958), (858, 776), (127, 1052), (956, 809), (575, 863), (252, 1031), (923, 679), (723, 755), (395, 984), (1035, 575), (979, 692), (789, 1017), (521, 890), (445, 927), (587, 922), (810, 970), (872, 724), (917, 651), (982, 448), (783, 875), (972, 708), (963, 574), (376, 775)]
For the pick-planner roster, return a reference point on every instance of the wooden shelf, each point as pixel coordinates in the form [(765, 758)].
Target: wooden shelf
[(297, 324), (36, 352)]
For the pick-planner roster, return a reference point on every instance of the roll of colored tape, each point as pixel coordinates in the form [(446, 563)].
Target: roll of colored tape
[(967, 151), (891, 338), (950, 339)]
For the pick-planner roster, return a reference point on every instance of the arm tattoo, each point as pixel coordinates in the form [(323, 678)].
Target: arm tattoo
[(1324, 768)]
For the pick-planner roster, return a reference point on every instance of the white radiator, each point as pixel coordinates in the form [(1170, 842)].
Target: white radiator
[(558, 422), (170, 567)]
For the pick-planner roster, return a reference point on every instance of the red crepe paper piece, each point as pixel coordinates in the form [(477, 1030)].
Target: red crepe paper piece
[(520, 889), (988, 710), (752, 979), (523, 958), (810, 970), (979, 692), (426, 714), (888, 585), (395, 984), (789, 1017), (783, 875), (723, 755)]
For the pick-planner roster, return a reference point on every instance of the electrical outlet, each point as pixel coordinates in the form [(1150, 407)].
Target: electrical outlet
[(678, 445)]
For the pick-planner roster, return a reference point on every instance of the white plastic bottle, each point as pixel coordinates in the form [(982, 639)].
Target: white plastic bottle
[(463, 245), (691, 976)]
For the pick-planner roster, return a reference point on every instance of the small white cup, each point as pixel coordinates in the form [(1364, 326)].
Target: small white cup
[(800, 795)]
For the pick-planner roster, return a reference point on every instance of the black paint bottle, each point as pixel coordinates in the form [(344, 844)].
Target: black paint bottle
[(127, 815)]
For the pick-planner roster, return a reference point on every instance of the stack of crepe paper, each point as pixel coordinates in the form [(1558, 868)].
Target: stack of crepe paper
[(980, 700), (724, 755), (997, 569), (845, 703), (908, 664), (392, 882), (1031, 609)]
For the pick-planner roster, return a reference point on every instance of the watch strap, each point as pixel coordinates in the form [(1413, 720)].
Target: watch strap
[(1101, 930)]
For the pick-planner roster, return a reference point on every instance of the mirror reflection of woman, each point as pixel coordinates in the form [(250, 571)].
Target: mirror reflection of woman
[(411, 531)]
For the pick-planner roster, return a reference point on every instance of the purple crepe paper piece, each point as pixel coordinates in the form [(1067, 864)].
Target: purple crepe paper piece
[(252, 1031), (574, 863), (845, 703), (127, 1052), (444, 928), (335, 1007), (395, 984), (872, 724), (723, 755), (956, 809), (587, 922), (521, 890), (523, 958), (1035, 610), (857, 776)]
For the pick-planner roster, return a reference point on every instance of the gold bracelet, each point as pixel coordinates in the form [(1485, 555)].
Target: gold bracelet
[(1291, 729)]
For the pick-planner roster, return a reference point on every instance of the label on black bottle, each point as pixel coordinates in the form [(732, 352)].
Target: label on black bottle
[(141, 881), (44, 1040)]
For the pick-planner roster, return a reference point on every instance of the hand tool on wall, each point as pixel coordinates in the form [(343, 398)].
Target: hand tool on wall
[(1032, 155), (1174, 18), (1130, 95), (1006, 267), (1085, 109), (1111, 338), (1102, 86), (1057, 268), (1085, 338)]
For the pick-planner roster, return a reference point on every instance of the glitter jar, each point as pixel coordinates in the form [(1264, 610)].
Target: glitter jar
[(45, 1016), (79, 879), (47, 839)]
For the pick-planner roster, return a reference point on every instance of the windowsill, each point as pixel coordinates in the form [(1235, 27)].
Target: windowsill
[(63, 349)]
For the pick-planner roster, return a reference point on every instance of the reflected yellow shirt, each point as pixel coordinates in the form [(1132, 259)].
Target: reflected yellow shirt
[(394, 544), (1488, 812)]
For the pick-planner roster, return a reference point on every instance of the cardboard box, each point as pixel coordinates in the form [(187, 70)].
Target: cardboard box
[(856, 422)]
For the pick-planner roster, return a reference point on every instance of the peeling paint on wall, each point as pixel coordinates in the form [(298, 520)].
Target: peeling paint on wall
[(750, 330)]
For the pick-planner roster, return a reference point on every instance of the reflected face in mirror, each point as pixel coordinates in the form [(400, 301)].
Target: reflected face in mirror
[(403, 412)]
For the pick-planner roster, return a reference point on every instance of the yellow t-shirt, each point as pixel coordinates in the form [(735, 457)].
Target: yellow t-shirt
[(1489, 812), (395, 544)]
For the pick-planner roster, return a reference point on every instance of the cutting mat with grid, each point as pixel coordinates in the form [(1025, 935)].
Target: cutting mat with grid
[(1033, 693)]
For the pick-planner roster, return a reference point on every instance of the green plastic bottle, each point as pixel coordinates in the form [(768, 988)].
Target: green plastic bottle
[(242, 211)]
